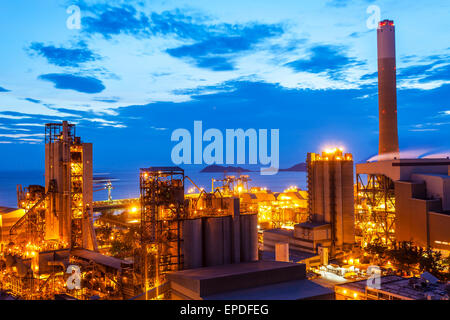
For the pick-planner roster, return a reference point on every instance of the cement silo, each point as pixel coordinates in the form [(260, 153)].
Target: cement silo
[(217, 245), (192, 243), (249, 237)]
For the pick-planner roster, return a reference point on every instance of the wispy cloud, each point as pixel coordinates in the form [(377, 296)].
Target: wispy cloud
[(33, 100), (326, 58), (217, 51), (74, 82), (158, 129), (64, 57)]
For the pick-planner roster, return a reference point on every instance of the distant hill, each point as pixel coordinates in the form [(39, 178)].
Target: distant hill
[(299, 167), (218, 168)]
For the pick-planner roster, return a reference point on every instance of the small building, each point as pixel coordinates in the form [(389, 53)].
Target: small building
[(392, 288), (306, 240)]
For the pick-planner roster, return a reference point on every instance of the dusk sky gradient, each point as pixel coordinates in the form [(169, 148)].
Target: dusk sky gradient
[(137, 70)]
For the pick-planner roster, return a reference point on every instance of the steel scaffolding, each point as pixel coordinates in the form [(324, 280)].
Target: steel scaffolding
[(375, 209), (162, 209), (76, 195)]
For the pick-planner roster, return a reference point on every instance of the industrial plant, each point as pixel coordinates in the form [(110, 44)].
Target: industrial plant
[(238, 240)]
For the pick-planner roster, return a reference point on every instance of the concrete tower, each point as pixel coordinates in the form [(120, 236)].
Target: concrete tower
[(68, 166), (387, 91), (330, 195)]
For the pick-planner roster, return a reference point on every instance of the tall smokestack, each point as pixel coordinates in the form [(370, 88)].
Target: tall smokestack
[(387, 91)]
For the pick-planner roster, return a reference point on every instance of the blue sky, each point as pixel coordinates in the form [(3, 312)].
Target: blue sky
[(137, 70)]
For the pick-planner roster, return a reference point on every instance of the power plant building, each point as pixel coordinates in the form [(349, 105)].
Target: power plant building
[(68, 180), (331, 197), (400, 199), (405, 200)]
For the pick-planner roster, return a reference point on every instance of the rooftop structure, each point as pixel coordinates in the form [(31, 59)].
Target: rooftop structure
[(404, 200), (271, 280), (392, 288)]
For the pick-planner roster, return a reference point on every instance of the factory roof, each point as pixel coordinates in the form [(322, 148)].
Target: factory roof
[(294, 255), (265, 196), (288, 290), (231, 277), (6, 296), (5, 210), (259, 280), (360, 285), (99, 258), (249, 195), (437, 175), (293, 194), (401, 169), (281, 231), (312, 225), (406, 288), (233, 269)]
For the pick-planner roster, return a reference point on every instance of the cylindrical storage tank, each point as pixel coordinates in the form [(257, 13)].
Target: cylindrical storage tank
[(217, 241), (249, 237), (227, 239), (253, 225), (245, 237), (213, 244), (192, 243)]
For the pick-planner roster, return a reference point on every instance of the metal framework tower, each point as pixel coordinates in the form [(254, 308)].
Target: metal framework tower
[(375, 209), (162, 211), (68, 163)]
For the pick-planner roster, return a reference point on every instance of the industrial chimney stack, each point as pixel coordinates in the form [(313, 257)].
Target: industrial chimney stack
[(387, 91)]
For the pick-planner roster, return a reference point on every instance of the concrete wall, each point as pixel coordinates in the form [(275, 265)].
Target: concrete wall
[(416, 220), (89, 238), (439, 225), (437, 187), (404, 168), (332, 199), (57, 167)]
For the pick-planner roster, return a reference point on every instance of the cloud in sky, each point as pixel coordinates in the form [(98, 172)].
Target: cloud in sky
[(216, 52), (33, 100), (64, 57), (326, 58), (109, 21), (72, 82)]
